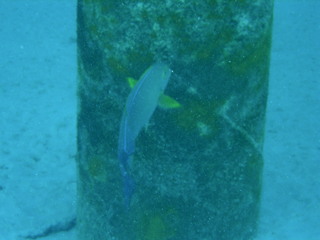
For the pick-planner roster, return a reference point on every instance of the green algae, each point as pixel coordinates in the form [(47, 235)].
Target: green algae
[(199, 117), (250, 55), (155, 225), (96, 168)]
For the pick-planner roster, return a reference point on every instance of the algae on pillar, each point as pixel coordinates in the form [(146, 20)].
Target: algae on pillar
[(197, 168)]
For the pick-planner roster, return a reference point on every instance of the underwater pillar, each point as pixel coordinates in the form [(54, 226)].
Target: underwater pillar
[(197, 166)]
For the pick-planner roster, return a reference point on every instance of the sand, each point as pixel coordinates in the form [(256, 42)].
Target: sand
[(38, 121)]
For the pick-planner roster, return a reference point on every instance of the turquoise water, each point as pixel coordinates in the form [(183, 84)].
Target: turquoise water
[(38, 102)]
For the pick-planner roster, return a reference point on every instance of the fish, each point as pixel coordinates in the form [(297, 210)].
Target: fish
[(165, 101), (140, 105)]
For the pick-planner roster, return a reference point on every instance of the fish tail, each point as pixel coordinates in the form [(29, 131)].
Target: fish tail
[(128, 190), (128, 183)]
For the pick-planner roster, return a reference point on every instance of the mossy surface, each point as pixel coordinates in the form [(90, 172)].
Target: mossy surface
[(155, 226), (251, 54), (200, 117), (197, 168)]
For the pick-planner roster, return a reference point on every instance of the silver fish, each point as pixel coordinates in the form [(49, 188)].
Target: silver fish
[(140, 105)]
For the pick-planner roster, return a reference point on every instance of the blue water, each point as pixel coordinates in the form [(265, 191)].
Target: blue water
[(38, 118)]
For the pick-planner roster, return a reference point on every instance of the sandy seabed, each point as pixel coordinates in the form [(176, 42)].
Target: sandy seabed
[(38, 119)]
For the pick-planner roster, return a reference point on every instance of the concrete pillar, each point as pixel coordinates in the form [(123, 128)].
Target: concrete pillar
[(197, 168)]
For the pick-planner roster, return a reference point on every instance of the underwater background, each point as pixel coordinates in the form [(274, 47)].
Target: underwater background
[(38, 119)]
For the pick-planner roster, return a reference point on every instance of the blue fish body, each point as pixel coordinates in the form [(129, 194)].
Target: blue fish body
[(140, 105)]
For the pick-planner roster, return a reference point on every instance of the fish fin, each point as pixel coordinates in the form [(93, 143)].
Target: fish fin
[(129, 186), (131, 81), (167, 102), (128, 182)]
